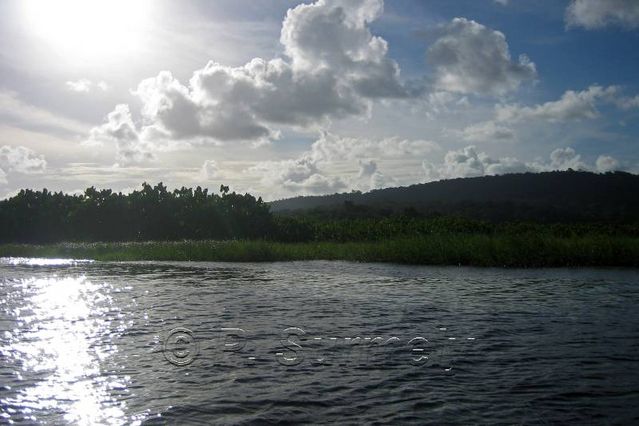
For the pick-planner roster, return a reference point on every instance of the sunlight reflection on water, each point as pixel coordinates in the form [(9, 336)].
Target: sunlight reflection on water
[(59, 343), (83, 343), (40, 261)]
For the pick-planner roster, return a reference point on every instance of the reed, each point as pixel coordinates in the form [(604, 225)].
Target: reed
[(451, 249)]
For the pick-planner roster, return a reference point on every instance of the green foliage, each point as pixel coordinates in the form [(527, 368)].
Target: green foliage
[(311, 228), (152, 213), (561, 196), (185, 224), (441, 249)]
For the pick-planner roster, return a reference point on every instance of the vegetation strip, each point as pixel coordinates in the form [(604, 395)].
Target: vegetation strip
[(454, 249)]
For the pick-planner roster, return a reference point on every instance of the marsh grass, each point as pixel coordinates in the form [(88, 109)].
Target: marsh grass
[(452, 249)]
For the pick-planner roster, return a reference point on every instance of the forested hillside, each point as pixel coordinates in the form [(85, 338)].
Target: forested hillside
[(537, 197), (561, 203)]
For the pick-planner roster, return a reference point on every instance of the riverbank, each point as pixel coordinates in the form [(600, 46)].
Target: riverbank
[(470, 250)]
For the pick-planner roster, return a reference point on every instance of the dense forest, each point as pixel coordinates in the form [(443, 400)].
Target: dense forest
[(152, 213), (551, 197), (558, 203)]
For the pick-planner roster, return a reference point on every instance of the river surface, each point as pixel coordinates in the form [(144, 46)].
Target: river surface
[(313, 342)]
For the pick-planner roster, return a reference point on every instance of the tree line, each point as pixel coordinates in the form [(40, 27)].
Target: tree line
[(151, 213), (154, 213), (551, 197)]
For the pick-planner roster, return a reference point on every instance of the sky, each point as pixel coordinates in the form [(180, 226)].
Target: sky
[(286, 98)]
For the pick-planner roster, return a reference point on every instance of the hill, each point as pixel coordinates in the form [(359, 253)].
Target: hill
[(539, 197)]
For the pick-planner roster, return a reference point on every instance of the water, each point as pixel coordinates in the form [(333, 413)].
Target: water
[(85, 342)]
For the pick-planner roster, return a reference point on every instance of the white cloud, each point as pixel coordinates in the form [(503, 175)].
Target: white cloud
[(502, 2), (628, 102), (84, 85), (21, 159), (488, 131), (209, 170), (606, 163), (331, 147), (317, 184), (465, 162), (367, 168), (119, 128), (506, 165), (571, 106), (334, 68), (369, 177), (564, 159), (266, 93), (310, 173), (468, 162), (594, 14), (469, 57), (334, 34), (301, 175)]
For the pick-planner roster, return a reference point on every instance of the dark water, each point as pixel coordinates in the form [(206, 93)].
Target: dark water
[(105, 343)]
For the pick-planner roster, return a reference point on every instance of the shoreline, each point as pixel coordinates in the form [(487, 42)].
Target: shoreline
[(455, 249)]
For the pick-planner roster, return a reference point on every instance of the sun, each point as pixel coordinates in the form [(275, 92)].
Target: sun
[(89, 29)]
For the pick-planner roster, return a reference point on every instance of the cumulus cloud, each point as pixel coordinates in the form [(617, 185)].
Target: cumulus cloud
[(571, 106), (506, 165), (317, 184), (367, 168), (334, 68), (468, 162), (564, 159), (85, 85), (309, 173), (594, 14), (176, 111), (209, 170), (21, 159), (369, 177), (120, 129), (463, 163), (301, 175), (331, 147), (334, 35), (606, 163), (469, 57)]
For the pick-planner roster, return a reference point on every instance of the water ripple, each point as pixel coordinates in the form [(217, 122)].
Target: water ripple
[(86, 342)]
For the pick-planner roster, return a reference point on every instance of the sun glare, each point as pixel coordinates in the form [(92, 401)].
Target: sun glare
[(89, 29)]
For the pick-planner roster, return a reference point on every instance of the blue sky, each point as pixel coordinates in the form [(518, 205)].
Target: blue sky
[(286, 98), (566, 58)]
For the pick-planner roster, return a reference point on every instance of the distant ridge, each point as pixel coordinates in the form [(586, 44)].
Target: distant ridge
[(544, 197)]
